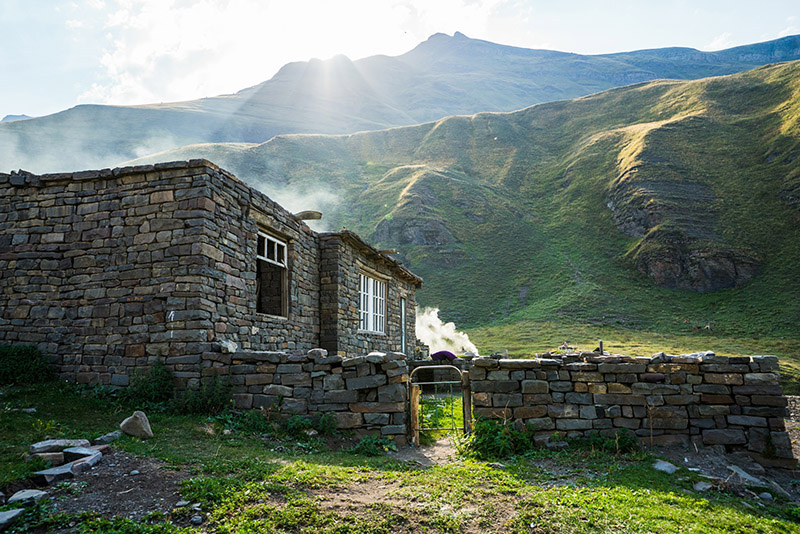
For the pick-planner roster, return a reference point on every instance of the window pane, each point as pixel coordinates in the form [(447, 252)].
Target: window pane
[(261, 247)]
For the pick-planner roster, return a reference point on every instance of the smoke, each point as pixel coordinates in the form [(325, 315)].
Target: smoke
[(441, 336), (296, 199)]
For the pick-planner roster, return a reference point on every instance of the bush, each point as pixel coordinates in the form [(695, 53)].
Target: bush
[(23, 364), (373, 446), (212, 398), (152, 388), (623, 441), (492, 439)]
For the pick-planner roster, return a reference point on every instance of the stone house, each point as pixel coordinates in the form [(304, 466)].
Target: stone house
[(104, 270)]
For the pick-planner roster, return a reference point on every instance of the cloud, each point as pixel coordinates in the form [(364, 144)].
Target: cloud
[(167, 50), (721, 42)]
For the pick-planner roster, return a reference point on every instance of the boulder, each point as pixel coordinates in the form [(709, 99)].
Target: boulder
[(8, 517), (137, 425), (111, 437), (666, 467)]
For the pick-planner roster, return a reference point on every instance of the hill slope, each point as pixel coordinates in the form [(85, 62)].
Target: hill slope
[(442, 76), (650, 206)]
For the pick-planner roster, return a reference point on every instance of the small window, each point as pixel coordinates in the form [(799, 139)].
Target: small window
[(271, 276), (372, 305)]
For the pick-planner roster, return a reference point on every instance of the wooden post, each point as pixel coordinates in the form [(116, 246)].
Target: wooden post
[(466, 399), (415, 415)]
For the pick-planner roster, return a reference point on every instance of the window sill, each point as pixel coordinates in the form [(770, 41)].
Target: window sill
[(372, 333), (264, 316)]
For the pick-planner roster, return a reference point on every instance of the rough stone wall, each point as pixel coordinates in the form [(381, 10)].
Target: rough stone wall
[(239, 213), (704, 399), (341, 264), (366, 394), (105, 270)]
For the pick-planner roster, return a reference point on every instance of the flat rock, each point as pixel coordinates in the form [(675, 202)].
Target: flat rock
[(8, 517), (665, 467), (702, 486), (137, 425), (57, 445), (27, 496), (87, 462), (54, 474), (55, 458), (746, 477), (111, 437), (76, 453)]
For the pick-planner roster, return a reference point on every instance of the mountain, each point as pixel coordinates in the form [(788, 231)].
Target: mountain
[(442, 76), (12, 118), (655, 205)]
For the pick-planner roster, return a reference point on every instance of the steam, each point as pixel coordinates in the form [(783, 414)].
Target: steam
[(441, 336), (296, 199)]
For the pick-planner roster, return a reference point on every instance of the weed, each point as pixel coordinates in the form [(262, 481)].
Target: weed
[(23, 364), (212, 397), (623, 441), (151, 389), (373, 446)]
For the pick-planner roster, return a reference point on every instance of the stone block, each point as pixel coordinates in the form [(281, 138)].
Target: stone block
[(562, 386), (348, 420), (573, 424), (377, 407), (298, 379), (294, 406), (628, 368), (537, 398), (376, 419), (769, 400), (728, 379), (364, 382), (277, 390), (762, 390), (392, 393), (266, 402), (766, 363), (579, 398), (257, 380), (647, 388), (498, 375), (560, 411), (584, 376), (484, 398), (757, 379), (727, 436), (627, 422), (341, 396), (535, 386), (747, 420), (507, 400), (493, 413), (608, 399), (242, 401), (530, 412), (390, 430)]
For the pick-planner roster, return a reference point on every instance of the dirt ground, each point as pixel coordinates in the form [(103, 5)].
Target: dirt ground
[(130, 486)]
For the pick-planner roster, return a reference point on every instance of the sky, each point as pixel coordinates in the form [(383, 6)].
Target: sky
[(60, 53)]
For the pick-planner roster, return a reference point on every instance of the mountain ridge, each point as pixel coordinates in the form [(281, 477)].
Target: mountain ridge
[(440, 77)]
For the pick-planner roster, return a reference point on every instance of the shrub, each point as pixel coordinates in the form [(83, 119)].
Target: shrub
[(492, 439), (23, 364), (212, 397), (373, 446), (623, 441), (151, 388)]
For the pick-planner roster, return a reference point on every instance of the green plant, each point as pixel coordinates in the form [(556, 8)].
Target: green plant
[(23, 364), (492, 439), (151, 389), (623, 441), (373, 446), (212, 397)]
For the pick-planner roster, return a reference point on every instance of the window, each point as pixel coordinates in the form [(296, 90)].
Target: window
[(271, 276), (372, 304)]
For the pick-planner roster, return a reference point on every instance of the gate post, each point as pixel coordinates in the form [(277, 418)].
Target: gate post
[(415, 415), (466, 399)]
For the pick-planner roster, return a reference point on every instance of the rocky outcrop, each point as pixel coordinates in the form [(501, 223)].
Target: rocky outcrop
[(671, 260)]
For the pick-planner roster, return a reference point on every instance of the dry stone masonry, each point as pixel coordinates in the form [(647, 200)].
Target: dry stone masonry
[(366, 394), (708, 400), (107, 270)]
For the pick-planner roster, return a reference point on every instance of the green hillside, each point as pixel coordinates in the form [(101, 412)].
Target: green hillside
[(445, 75), (659, 209)]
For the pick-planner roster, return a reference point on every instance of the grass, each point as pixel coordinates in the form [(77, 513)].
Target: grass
[(243, 485)]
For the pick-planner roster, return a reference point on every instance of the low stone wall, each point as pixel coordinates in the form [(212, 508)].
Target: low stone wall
[(703, 399), (366, 394)]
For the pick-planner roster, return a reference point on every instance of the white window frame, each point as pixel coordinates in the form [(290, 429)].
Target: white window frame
[(275, 252), (371, 304), (276, 245)]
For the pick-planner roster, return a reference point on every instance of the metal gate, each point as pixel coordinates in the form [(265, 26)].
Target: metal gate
[(437, 390)]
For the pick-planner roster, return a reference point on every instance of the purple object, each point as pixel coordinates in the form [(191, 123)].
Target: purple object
[(443, 355)]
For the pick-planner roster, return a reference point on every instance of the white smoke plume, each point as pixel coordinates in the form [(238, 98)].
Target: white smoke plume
[(441, 336)]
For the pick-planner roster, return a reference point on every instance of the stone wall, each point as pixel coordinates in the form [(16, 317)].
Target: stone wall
[(366, 394), (343, 258), (705, 399), (105, 271)]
